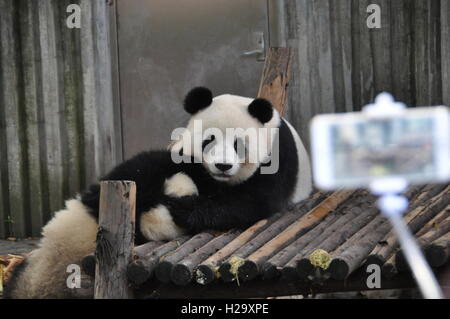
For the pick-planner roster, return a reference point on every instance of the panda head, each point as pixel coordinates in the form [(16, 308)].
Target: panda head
[(230, 135)]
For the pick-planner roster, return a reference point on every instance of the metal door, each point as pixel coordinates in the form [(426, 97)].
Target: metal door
[(166, 47)]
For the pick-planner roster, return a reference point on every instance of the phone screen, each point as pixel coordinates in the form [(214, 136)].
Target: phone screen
[(355, 149)]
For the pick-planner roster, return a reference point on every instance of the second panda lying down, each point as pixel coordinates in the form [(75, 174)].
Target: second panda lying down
[(222, 186)]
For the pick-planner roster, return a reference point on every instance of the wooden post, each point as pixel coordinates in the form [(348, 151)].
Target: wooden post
[(115, 239), (276, 76)]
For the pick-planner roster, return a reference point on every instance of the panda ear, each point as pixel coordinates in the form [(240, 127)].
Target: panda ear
[(197, 99), (261, 109)]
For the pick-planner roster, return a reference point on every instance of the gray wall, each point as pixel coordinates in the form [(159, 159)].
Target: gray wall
[(342, 64), (57, 125)]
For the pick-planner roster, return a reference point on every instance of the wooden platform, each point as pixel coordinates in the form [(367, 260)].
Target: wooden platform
[(323, 244)]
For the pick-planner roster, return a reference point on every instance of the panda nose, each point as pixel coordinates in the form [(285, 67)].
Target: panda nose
[(223, 167)]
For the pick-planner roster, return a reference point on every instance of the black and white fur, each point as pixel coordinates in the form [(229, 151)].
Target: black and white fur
[(220, 192)]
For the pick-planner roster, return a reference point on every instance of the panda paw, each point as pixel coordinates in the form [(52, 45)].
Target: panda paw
[(180, 185), (181, 209)]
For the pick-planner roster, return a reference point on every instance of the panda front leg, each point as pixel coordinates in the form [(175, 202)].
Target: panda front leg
[(157, 223), (221, 212), (67, 238)]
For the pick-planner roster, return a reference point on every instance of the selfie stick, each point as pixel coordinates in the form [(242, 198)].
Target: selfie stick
[(393, 205)]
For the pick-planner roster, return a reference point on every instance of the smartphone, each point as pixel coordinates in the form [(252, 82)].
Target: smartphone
[(353, 150)]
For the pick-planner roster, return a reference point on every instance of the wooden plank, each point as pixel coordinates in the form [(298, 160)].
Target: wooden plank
[(363, 72), (435, 83), (91, 134), (52, 104), (13, 110), (420, 52), (341, 39), (70, 78), (322, 71), (301, 110), (426, 49), (106, 148), (32, 100), (445, 50), (382, 49), (275, 77), (100, 116), (115, 239), (401, 50), (115, 79), (3, 214)]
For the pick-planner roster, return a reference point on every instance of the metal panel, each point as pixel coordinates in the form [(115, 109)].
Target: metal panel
[(167, 47)]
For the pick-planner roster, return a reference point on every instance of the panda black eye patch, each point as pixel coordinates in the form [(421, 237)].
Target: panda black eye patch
[(239, 147), (208, 141)]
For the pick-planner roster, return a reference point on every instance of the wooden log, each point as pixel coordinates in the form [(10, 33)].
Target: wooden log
[(115, 239), (423, 241), (88, 262), (272, 268), (140, 270), (275, 77), (164, 267), (337, 237), (276, 264), (207, 271), (227, 269), (145, 249), (425, 206), (250, 268), (183, 271), (438, 251), (433, 222), (349, 256)]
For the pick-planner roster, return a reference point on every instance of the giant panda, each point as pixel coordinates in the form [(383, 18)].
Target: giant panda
[(208, 179)]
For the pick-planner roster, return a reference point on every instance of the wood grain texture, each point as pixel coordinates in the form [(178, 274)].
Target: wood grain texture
[(115, 239), (35, 143), (16, 160), (252, 265), (276, 76)]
